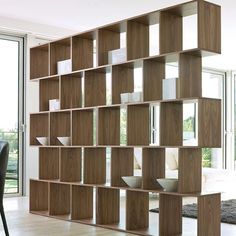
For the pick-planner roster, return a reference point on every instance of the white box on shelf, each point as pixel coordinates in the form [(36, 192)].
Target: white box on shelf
[(64, 67), (170, 88), (117, 56), (136, 97), (125, 97), (54, 104)]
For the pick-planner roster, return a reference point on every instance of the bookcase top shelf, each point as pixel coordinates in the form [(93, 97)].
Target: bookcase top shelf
[(183, 10)]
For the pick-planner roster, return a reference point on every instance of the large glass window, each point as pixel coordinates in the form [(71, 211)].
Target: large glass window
[(213, 87), (11, 103)]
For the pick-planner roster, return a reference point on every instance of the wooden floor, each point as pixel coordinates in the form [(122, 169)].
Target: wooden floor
[(21, 222)]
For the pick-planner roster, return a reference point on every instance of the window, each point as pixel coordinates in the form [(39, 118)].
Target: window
[(11, 103)]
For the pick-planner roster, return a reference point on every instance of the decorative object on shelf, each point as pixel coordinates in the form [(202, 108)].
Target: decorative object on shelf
[(136, 97), (117, 56), (168, 184), (54, 104), (133, 181), (170, 88), (43, 140), (64, 140), (125, 97), (64, 67)]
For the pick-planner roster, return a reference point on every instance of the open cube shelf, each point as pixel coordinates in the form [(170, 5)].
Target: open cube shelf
[(60, 126), (48, 163), (39, 127), (39, 61), (83, 50), (71, 91), (48, 89), (59, 51)]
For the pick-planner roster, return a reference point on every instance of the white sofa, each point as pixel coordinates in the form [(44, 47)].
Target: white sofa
[(213, 180)]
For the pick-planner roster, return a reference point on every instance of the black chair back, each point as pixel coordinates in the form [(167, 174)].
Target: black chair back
[(4, 152)]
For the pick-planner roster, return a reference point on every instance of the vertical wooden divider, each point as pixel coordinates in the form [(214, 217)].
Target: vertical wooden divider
[(137, 210), (209, 215), (171, 124), (190, 170), (170, 28), (108, 206), (153, 74), (153, 167), (170, 215), (122, 81), (190, 75), (209, 26), (122, 164), (81, 202)]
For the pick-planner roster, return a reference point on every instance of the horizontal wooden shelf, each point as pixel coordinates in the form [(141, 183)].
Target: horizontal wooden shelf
[(128, 188), (165, 58), (179, 100), (91, 222)]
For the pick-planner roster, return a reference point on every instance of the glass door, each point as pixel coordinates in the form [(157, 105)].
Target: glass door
[(11, 105), (213, 85)]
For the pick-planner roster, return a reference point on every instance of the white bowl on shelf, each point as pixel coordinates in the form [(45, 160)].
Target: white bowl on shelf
[(168, 184), (133, 181), (65, 141), (42, 140)]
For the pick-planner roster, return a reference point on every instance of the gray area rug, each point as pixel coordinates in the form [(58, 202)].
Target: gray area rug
[(228, 211)]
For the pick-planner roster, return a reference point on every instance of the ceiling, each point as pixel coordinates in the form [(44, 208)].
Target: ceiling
[(68, 17)]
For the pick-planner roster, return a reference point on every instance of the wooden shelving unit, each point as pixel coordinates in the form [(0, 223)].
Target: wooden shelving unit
[(72, 182)]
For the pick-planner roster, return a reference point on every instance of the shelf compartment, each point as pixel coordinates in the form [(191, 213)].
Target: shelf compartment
[(39, 127), (109, 39), (71, 91), (138, 125), (108, 206), (48, 163), (109, 126), (190, 170), (82, 202), (39, 61), (82, 50), (122, 81), (137, 210), (153, 74), (171, 27), (59, 126), (83, 127), (153, 167), (39, 191), (48, 89), (190, 75), (59, 51), (95, 87), (170, 207), (122, 164), (59, 199), (171, 124), (137, 39), (209, 26), (209, 123), (70, 159), (94, 166)]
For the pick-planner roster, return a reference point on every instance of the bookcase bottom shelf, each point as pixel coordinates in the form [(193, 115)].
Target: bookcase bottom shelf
[(120, 227), (189, 223)]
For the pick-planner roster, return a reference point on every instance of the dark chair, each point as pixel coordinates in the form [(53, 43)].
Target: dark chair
[(4, 152)]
